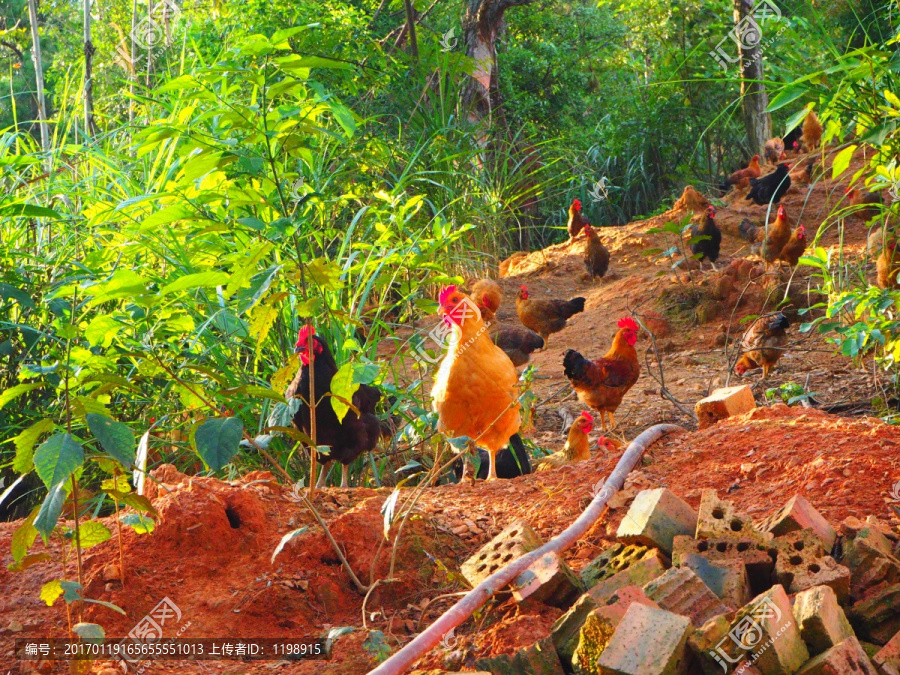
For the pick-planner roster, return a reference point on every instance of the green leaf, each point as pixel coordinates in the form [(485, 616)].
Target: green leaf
[(48, 515), (51, 591), (57, 458), (24, 536), (108, 605), (124, 283), (342, 389), (787, 95), (28, 561), (294, 63), (101, 331), (24, 442), (14, 392), (116, 486), (138, 523), (91, 533), (325, 273), (89, 631), (71, 591), (285, 539), (7, 291), (218, 439), (198, 280), (115, 437), (29, 211), (842, 161), (256, 391)]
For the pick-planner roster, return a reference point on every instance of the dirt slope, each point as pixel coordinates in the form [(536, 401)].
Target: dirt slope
[(211, 553)]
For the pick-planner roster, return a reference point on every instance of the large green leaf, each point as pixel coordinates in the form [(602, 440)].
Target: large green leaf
[(57, 458), (218, 439), (115, 437), (24, 442), (48, 515), (24, 536), (29, 211), (199, 280), (91, 533), (842, 161), (14, 392)]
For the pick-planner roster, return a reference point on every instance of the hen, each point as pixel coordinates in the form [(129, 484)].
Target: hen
[(512, 461), (576, 220), (770, 188), (577, 447), (802, 174), (774, 150), (602, 384), (795, 247), (349, 438), (596, 255), (546, 317), (763, 344), (887, 266), (707, 248), (741, 178), (748, 231), (474, 392), (778, 236), (812, 132), (792, 138), (865, 203), (488, 295), (518, 343)]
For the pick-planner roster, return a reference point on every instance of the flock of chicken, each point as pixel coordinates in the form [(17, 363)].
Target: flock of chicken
[(475, 392)]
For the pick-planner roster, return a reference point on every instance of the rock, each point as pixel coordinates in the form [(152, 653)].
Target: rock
[(798, 514), (599, 626), (724, 403), (615, 559), (538, 659), (513, 542), (637, 574), (764, 632), (801, 565), (718, 519), (548, 580), (876, 617), (821, 620), (888, 657), (726, 578), (759, 559), (847, 658), (680, 591), (647, 642), (655, 518)]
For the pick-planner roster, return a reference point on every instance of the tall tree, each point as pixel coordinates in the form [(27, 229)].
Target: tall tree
[(482, 23), (89, 126), (757, 122), (38, 75)]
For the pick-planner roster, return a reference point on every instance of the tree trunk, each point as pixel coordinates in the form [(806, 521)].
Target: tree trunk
[(482, 22), (411, 31), (38, 76), (89, 126), (755, 99)]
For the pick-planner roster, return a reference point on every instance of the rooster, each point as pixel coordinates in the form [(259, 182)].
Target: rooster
[(777, 238), (602, 384), (741, 178), (348, 438), (576, 220), (795, 247), (546, 317), (763, 344), (474, 392), (812, 132), (707, 248), (596, 255), (577, 448), (774, 150), (770, 188), (487, 295), (887, 266)]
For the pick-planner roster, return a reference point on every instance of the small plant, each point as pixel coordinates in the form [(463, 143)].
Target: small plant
[(790, 393)]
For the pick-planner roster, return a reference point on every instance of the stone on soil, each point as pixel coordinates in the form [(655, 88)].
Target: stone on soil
[(724, 403), (655, 518)]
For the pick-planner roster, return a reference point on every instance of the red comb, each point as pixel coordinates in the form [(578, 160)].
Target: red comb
[(576, 203), (446, 292), (628, 323), (588, 416), (303, 337), (523, 287)]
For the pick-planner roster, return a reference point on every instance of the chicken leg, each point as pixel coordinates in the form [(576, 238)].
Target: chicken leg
[(492, 471), (321, 482), (345, 470)]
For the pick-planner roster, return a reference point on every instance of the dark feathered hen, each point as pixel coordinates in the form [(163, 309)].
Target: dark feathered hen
[(708, 247), (545, 317), (349, 438), (518, 343), (770, 188), (763, 344)]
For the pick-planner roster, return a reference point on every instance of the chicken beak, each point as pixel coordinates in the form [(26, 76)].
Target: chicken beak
[(298, 349)]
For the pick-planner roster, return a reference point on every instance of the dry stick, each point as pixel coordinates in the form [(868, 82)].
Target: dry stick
[(473, 600), (119, 532)]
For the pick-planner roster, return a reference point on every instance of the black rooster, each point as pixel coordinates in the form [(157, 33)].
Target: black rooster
[(347, 439), (518, 343), (770, 188), (707, 248)]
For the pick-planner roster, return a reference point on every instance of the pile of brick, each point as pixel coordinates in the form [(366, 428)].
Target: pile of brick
[(712, 592)]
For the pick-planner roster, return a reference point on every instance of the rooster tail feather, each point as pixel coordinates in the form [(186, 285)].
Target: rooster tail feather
[(779, 322)]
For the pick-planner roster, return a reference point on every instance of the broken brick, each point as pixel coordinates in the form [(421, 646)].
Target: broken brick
[(719, 519), (846, 658), (647, 641), (821, 620), (681, 591), (655, 518), (799, 514), (723, 403)]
